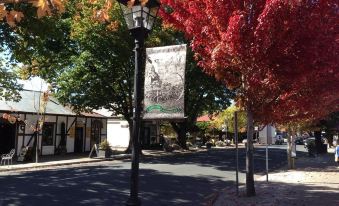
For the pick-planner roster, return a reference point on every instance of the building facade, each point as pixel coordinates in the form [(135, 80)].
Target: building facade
[(62, 131)]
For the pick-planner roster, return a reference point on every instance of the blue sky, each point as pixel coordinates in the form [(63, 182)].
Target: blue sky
[(35, 83)]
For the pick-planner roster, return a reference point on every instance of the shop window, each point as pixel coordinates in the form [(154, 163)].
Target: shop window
[(47, 134)]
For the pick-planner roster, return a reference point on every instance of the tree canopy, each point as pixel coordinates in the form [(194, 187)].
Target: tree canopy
[(9, 86), (281, 54), (92, 61), (226, 118)]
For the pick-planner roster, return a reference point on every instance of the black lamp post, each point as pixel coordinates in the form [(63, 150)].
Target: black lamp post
[(140, 18)]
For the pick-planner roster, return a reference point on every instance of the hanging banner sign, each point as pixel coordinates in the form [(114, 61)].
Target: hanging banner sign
[(165, 82)]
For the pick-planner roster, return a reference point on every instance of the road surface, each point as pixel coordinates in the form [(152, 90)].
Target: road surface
[(167, 180)]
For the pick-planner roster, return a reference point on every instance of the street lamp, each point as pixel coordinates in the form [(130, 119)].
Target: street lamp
[(140, 18)]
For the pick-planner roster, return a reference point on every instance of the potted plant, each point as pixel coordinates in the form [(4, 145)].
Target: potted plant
[(167, 147), (209, 145), (104, 149)]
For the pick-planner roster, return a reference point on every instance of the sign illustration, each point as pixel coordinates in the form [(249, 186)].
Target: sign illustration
[(165, 82)]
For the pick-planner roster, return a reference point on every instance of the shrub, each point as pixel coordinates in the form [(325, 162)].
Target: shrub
[(189, 144), (220, 144), (209, 144), (104, 145), (175, 147)]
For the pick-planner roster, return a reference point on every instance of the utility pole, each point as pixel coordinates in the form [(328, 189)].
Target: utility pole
[(236, 151), (268, 135)]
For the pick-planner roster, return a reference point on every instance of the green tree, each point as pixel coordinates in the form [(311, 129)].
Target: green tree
[(9, 87), (92, 62), (226, 118), (203, 94), (329, 125)]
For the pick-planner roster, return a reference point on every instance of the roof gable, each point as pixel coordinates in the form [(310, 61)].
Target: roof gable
[(29, 103)]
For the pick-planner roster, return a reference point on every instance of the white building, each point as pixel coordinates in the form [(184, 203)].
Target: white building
[(118, 131), (63, 129), (267, 135)]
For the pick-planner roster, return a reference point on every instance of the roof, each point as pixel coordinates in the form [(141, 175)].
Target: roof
[(205, 118), (29, 103), (92, 114)]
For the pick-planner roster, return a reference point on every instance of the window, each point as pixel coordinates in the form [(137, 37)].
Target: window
[(47, 134), (96, 131)]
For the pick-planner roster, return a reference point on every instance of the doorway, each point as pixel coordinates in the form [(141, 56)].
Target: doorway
[(7, 137), (79, 140), (146, 138)]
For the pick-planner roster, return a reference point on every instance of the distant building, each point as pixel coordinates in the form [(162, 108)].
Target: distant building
[(206, 118), (118, 131), (63, 129), (267, 135)]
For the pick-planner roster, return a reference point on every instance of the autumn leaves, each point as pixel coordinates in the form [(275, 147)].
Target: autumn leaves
[(44, 7), (12, 15)]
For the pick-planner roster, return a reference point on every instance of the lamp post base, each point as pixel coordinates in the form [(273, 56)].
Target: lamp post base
[(133, 202)]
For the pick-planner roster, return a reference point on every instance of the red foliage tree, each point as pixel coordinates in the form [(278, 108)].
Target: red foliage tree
[(282, 55)]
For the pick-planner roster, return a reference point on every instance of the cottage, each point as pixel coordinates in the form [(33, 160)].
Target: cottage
[(62, 131), (118, 131)]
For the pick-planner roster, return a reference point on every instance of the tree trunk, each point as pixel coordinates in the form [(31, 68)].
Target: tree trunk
[(318, 143), (129, 148), (329, 137), (250, 190), (180, 130), (182, 136), (290, 160)]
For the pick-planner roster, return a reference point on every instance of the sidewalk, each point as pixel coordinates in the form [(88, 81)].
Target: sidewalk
[(50, 161), (314, 182)]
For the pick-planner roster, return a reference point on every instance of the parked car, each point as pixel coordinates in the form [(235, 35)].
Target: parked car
[(279, 139), (312, 139), (308, 140), (323, 140), (299, 141)]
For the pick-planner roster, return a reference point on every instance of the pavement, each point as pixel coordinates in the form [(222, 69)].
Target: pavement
[(184, 178), (49, 161), (315, 181)]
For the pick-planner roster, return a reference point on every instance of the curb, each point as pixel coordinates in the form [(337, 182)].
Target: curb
[(166, 154), (49, 165), (92, 160)]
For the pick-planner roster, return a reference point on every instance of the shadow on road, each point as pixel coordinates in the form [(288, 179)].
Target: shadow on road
[(226, 160), (107, 183), (103, 185)]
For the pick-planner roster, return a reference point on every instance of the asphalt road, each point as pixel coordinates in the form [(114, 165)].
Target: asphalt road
[(171, 180)]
